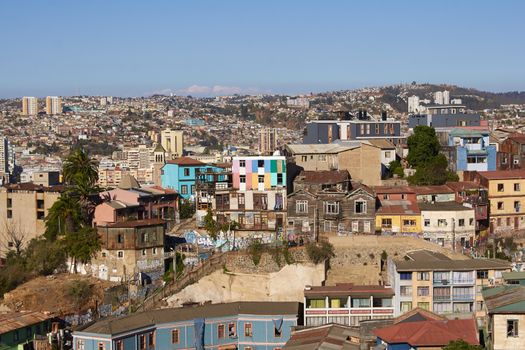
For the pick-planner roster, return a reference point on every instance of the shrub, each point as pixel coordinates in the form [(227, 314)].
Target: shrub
[(319, 252), (255, 249)]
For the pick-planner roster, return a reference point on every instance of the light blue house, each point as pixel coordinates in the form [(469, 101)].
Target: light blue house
[(181, 174), (472, 150), (240, 325)]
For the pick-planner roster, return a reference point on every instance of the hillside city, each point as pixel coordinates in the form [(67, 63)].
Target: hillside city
[(376, 218)]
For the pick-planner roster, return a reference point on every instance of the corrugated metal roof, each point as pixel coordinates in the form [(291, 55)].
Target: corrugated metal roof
[(16, 320)]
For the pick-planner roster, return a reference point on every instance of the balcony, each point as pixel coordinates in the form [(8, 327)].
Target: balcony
[(463, 297), (463, 281), (441, 297), (473, 146), (441, 282)]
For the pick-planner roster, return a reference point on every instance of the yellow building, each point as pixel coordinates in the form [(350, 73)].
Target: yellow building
[(506, 193), (173, 142), (23, 208), (398, 212)]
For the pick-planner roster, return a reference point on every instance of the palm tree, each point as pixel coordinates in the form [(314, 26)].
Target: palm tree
[(63, 217), (79, 168)]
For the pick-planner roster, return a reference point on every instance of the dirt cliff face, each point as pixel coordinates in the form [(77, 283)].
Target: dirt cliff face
[(223, 287), (51, 294)]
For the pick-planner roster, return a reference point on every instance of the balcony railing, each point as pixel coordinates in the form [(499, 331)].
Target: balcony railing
[(442, 297), (463, 281), (442, 282), (463, 297)]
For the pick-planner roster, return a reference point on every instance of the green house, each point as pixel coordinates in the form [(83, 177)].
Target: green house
[(18, 330)]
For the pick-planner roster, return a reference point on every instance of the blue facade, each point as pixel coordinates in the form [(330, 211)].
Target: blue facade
[(444, 120), (182, 178), (473, 151), (239, 331)]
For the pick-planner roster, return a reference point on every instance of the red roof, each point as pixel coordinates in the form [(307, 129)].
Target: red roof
[(136, 223), (422, 190), (393, 189), (185, 161), (430, 333), (503, 174), (343, 289)]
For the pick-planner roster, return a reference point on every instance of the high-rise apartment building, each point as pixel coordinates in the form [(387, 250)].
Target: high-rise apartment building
[(29, 105), (4, 160), (446, 97), (438, 97), (267, 141), (413, 104), (53, 105), (173, 142)]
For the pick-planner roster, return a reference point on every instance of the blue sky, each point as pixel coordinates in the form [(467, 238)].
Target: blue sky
[(134, 48)]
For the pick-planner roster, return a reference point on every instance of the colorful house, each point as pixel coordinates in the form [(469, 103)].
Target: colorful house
[(258, 173), (398, 211), (472, 150), (180, 174), (240, 325)]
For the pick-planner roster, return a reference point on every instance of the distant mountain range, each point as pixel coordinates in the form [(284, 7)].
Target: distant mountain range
[(396, 96)]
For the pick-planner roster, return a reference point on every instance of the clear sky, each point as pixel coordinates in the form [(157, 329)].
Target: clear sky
[(135, 48)]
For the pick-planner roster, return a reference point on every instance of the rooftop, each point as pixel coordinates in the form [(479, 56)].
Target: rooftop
[(324, 177), (345, 289), (430, 333), (507, 299), (117, 325), (185, 161), (503, 174), (325, 337), (422, 190), (426, 260), (319, 148), (136, 223), (396, 207), (443, 206), (15, 320), (393, 189)]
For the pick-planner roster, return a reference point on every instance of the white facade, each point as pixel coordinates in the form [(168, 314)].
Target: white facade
[(443, 226), (446, 97), (413, 104), (438, 97)]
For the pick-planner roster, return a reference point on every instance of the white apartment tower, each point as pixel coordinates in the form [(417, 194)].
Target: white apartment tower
[(29, 105), (53, 105), (438, 97), (446, 97), (413, 104)]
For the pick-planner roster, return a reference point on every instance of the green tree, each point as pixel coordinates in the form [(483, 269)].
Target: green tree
[(44, 256), (423, 155), (461, 345), (186, 209), (319, 252), (80, 168), (210, 225), (423, 146), (81, 245)]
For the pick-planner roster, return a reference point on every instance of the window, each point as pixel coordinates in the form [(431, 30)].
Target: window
[(142, 342), (315, 303), (80, 344), (331, 207), (40, 215), (184, 189), (422, 291), (405, 276), (220, 331), (500, 205), (405, 306), (120, 238), (387, 223), (120, 345), (512, 328), (151, 339), (482, 274), (100, 346), (232, 330), (248, 332), (360, 302), (9, 214), (120, 254), (385, 196), (471, 221), (280, 179), (442, 222), (461, 222), (387, 154), (322, 157), (517, 206), (405, 291), (424, 305), (186, 172), (192, 189), (29, 332), (359, 207), (242, 179), (409, 222), (427, 222), (154, 251), (260, 201), (501, 187), (9, 203), (517, 187), (423, 276), (260, 179), (242, 163), (40, 204), (304, 158)]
